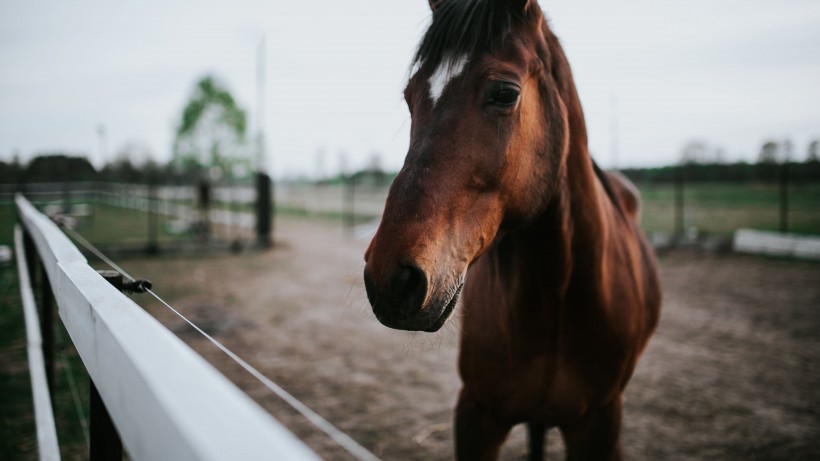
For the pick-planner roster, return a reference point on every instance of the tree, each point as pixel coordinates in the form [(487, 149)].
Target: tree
[(813, 152), (769, 153), (211, 132), (60, 167), (698, 152), (786, 148), (134, 162), (12, 172), (694, 152)]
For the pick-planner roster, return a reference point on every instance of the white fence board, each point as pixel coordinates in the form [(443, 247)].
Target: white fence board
[(47, 445), (165, 400), (777, 244)]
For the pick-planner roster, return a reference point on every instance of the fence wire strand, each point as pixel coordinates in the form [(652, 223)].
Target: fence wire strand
[(342, 439), (72, 386)]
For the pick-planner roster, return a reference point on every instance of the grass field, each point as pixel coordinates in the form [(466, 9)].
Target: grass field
[(18, 440), (724, 208), (107, 225), (711, 208)]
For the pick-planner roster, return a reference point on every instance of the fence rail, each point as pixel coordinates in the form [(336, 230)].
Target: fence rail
[(47, 445), (166, 401)]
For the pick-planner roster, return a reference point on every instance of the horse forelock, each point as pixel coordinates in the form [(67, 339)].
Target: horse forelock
[(463, 29)]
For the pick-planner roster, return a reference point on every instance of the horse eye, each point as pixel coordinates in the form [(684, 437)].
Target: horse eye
[(504, 95)]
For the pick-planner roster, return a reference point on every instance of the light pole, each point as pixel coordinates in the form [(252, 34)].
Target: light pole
[(264, 183)]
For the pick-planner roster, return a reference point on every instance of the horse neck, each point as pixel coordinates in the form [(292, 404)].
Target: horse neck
[(569, 236), (582, 210)]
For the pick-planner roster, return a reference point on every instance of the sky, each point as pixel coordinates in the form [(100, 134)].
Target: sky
[(652, 75)]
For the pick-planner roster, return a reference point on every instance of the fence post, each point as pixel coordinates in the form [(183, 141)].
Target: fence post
[(105, 441), (679, 185), (47, 305), (66, 199), (153, 219), (348, 210), (264, 210), (47, 326), (31, 255), (784, 197)]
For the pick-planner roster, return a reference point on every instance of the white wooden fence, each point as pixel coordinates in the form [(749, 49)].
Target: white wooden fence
[(777, 244), (43, 413), (166, 402)]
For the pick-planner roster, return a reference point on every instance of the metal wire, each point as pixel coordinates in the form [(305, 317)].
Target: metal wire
[(342, 439), (72, 385), (88, 246)]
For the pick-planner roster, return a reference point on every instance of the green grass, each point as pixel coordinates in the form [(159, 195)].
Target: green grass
[(109, 224), (712, 208), (18, 437), (7, 219), (106, 225), (724, 208)]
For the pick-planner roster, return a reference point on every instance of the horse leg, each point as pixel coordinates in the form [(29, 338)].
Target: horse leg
[(478, 436), (537, 434), (596, 436)]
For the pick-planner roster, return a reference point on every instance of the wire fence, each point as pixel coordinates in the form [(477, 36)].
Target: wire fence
[(721, 208), (141, 218), (135, 217), (143, 424)]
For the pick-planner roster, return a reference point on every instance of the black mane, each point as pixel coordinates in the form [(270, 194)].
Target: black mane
[(465, 27)]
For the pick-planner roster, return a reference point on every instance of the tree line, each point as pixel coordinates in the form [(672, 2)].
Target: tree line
[(70, 168), (60, 167), (740, 172), (701, 163)]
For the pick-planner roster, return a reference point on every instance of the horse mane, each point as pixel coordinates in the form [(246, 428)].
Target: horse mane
[(608, 188), (466, 27)]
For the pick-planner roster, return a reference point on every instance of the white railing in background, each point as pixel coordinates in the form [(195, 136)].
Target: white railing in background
[(181, 199), (166, 401)]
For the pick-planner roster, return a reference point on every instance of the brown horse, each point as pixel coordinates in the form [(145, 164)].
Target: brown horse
[(499, 196)]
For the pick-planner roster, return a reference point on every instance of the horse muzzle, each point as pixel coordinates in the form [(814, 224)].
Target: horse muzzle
[(403, 300)]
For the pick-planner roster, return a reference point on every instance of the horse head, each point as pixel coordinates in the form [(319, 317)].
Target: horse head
[(487, 143)]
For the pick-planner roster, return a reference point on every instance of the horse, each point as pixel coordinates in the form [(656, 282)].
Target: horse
[(499, 203)]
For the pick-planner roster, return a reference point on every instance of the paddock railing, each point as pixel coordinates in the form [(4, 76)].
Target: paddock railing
[(47, 446), (165, 401)]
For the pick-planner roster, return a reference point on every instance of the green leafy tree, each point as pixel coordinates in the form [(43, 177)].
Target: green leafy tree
[(13, 172), (59, 167), (211, 134)]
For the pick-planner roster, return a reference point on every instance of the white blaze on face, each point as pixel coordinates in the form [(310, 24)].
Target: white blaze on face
[(446, 71)]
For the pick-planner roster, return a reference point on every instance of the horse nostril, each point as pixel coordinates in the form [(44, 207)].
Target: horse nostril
[(397, 299), (410, 287)]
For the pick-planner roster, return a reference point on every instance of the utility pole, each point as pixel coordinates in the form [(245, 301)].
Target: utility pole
[(261, 164), (101, 135), (613, 130), (264, 183)]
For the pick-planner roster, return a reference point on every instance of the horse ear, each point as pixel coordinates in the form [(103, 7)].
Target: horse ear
[(434, 4), (520, 5)]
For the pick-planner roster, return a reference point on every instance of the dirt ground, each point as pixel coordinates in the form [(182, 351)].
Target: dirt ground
[(732, 373)]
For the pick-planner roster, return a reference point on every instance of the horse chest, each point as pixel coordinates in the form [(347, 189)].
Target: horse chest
[(537, 368), (523, 388)]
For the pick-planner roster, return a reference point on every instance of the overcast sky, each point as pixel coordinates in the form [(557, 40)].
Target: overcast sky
[(732, 73)]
